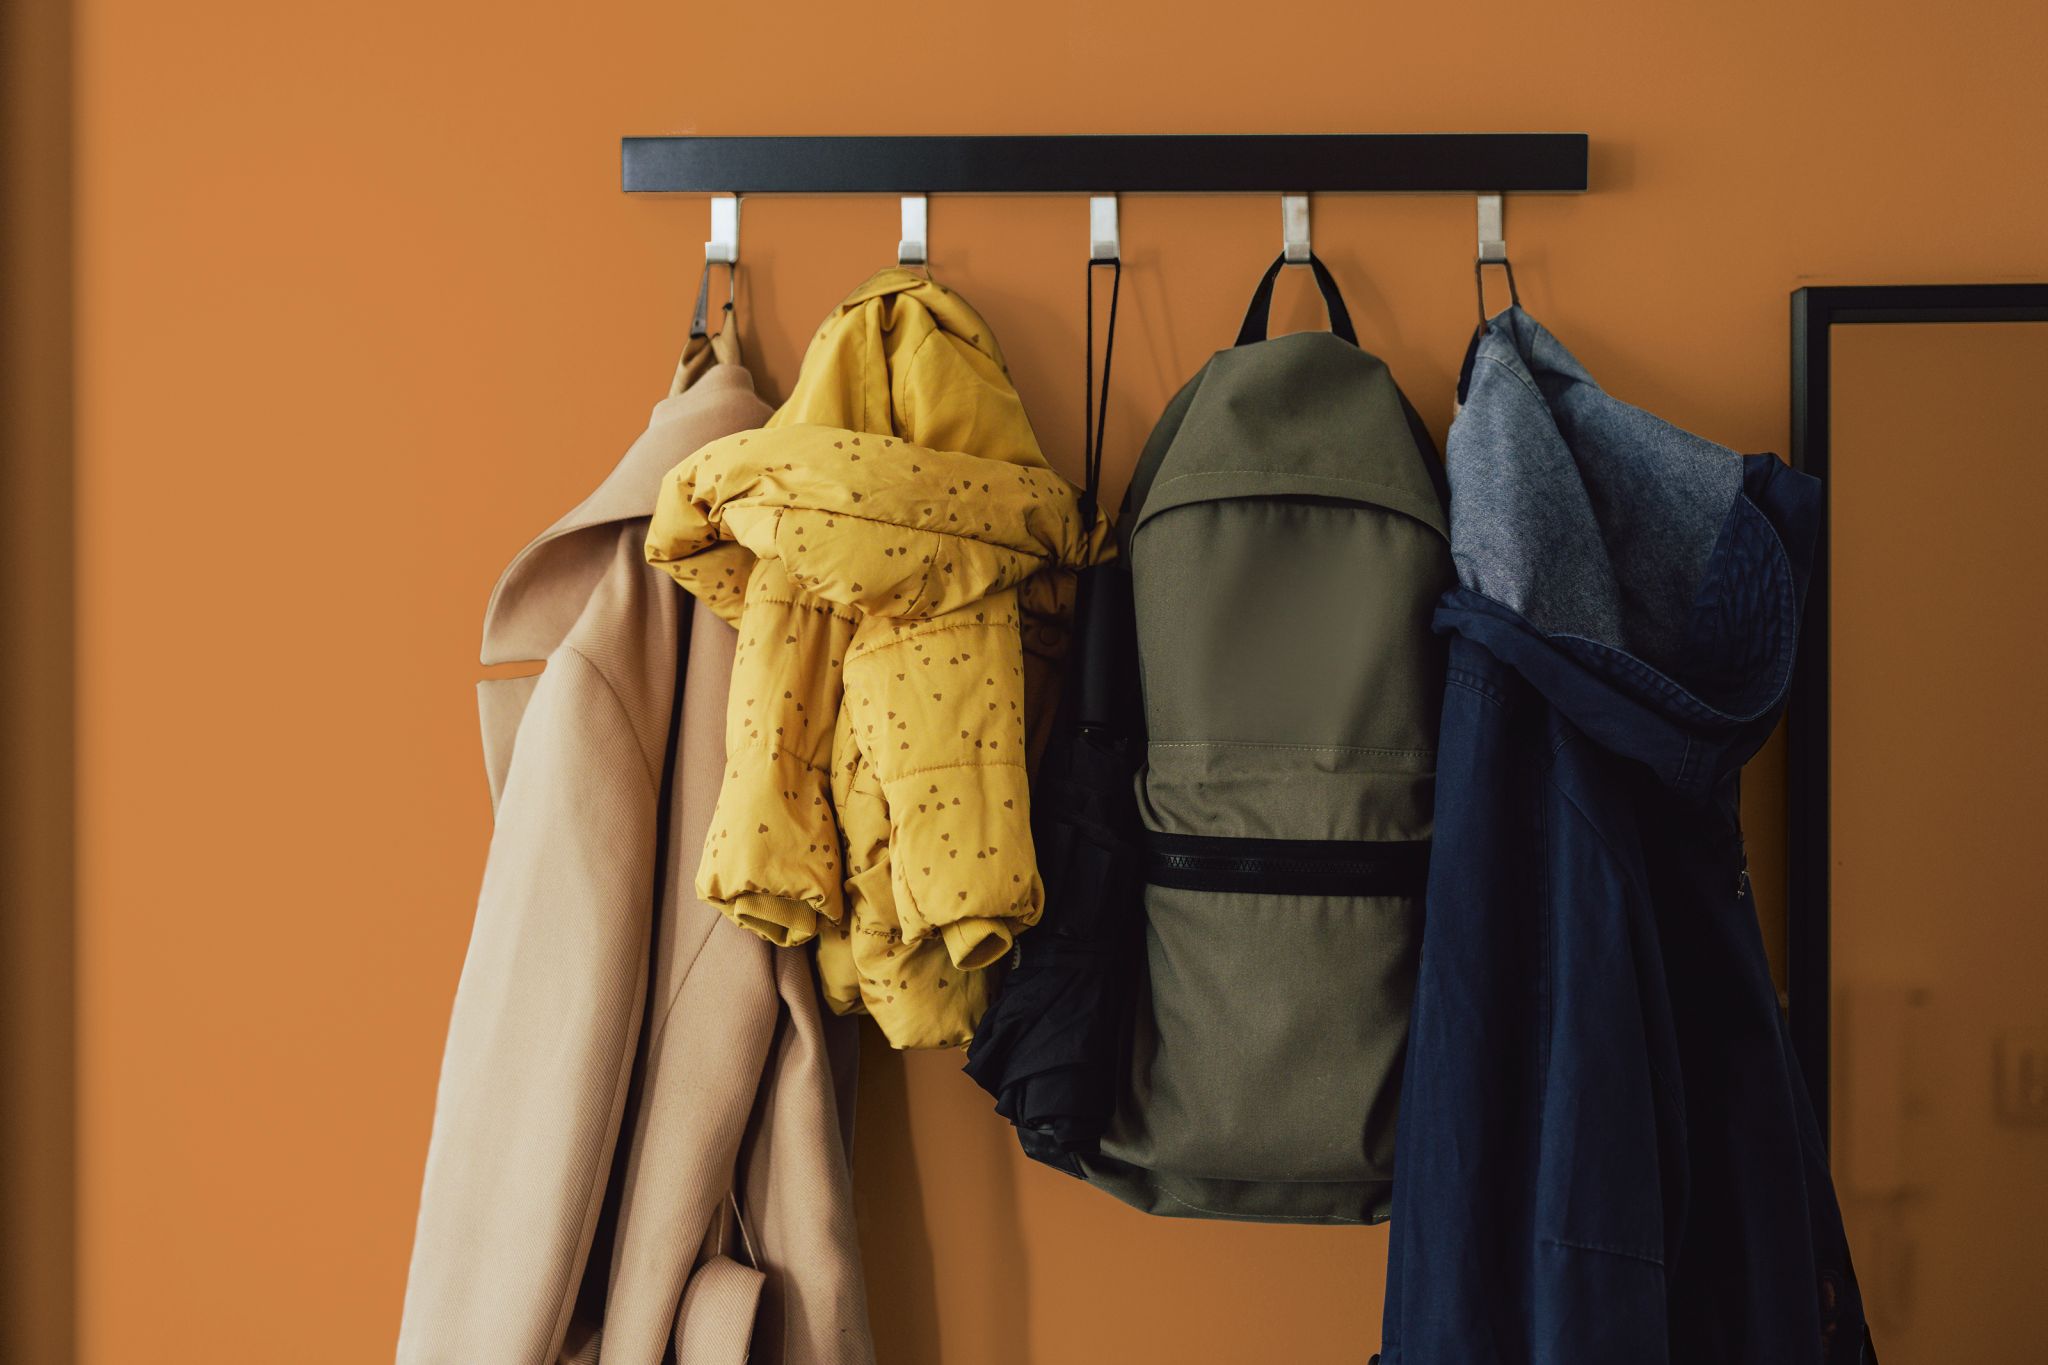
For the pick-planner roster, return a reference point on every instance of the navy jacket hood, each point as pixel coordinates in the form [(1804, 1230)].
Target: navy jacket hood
[(1646, 581)]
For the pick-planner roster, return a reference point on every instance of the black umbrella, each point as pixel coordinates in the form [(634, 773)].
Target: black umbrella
[(1050, 1047)]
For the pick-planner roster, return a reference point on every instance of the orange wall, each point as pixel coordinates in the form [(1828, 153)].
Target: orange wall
[(362, 309)]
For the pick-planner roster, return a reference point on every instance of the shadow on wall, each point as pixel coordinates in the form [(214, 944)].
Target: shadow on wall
[(37, 1090), (962, 1157)]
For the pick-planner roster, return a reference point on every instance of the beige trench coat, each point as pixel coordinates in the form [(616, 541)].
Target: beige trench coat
[(626, 1070)]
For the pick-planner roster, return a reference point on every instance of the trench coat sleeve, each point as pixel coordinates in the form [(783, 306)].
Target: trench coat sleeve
[(547, 1013), (741, 1087), (711, 1024), (797, 1188), (771, 855)]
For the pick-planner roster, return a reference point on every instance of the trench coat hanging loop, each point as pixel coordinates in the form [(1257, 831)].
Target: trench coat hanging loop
[(700, 315)]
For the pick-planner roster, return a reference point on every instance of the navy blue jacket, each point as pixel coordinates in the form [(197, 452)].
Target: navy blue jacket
[(1606, 1154)]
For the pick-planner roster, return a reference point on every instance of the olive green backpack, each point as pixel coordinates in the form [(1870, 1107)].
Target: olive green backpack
[(1287, 541)]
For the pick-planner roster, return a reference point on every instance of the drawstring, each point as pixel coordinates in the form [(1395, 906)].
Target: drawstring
[(1094, 412)]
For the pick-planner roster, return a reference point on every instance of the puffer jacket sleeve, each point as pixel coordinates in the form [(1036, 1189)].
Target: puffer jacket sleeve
[(938, 707), (682, 542), (838, 979), (771, 861), (872, 522), (917, 995)]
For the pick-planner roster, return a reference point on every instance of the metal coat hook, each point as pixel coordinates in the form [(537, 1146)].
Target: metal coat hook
[(724, 246), (1104, 245), (1294, 243), (1493, 250), (913, 248), (722, 249)]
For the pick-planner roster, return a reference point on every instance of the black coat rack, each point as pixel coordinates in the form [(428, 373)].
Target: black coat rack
[(1488, 165), (1366, 163)]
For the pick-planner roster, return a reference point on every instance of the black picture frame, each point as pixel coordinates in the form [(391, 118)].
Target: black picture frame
[(1815, 312)]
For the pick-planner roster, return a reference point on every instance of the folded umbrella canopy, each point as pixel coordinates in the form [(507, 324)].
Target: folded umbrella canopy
[(1049, 1048)]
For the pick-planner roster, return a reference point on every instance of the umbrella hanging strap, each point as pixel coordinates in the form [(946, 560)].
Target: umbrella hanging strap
[(1094, 410)]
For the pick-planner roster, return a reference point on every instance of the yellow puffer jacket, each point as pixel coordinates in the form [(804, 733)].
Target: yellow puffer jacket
[(898, 557)]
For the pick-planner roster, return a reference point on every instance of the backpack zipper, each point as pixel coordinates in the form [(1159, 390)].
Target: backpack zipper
[(1182, 862), (1305, 867)]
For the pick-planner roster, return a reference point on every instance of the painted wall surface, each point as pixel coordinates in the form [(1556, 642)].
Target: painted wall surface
[(1939, 940), (362, 309)]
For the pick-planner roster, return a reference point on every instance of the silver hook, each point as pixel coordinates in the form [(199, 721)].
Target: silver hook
[(723, 249), (1294, 242), (1104, 244), (1493, 250), (724, 246), (914, 246)]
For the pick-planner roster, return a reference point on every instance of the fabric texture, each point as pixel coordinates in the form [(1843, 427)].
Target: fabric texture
[(898, 557), (1607, 1156), (621, 1061)]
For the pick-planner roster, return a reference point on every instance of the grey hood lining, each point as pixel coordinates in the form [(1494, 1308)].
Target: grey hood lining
[(1587, 516)]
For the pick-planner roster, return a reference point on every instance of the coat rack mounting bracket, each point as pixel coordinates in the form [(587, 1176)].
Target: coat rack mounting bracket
[(1323, 163)]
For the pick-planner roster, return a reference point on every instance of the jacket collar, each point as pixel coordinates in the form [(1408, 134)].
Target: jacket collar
[(537, 598)]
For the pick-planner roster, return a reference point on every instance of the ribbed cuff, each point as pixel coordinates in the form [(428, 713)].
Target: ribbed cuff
[(976, 942), (783, 922)]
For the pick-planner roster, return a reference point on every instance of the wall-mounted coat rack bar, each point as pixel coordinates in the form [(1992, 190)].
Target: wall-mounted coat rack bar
[(1365, 163)]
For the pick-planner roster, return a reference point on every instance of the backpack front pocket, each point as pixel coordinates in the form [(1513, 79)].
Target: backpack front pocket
[(1268, 1046)]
